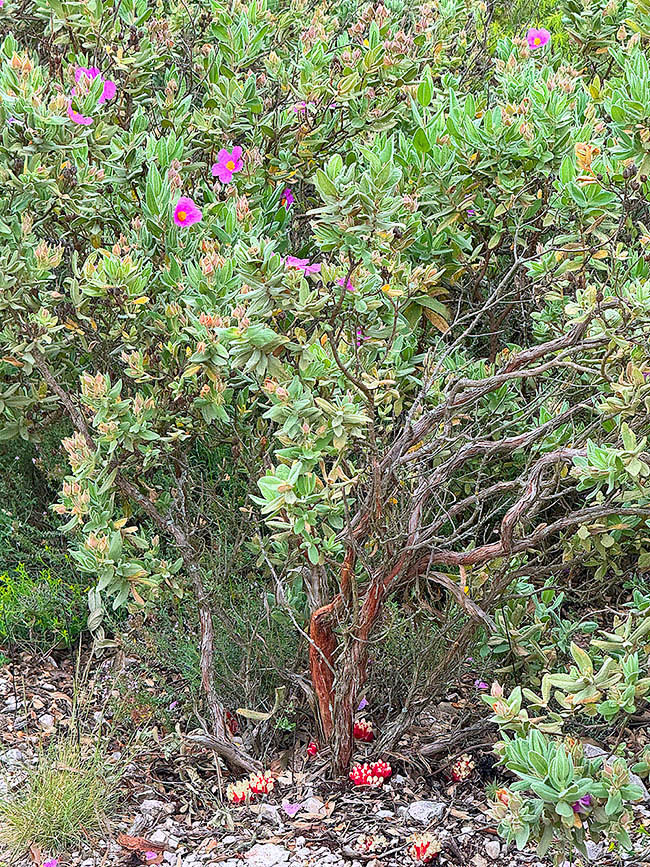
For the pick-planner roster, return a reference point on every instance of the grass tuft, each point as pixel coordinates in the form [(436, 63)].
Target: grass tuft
[(67, 799)]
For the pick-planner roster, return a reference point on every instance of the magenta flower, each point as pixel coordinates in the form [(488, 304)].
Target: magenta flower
[(582, 804), (110, 88), (51, 862), (150, 856), (363, 704), (360, 337), (186, 212), (538, 38), (303, 264), (349, 286), (228, 162), (77, 117), (481, 684), (287, 199), (291, 808)]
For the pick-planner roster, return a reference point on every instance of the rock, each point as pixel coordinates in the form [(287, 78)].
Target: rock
[(595, 851), (13, 757), (152, 808), (423, 812), (269, 813), (266, 855), (46, 721), (492, 849), (314, 806), (158, 836), (384, 814)]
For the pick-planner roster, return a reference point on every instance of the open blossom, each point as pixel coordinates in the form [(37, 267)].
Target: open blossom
[(186, 212), (228, 163), (303, 264), (77, 117), (287, 198), (538, 37), (110, 88)]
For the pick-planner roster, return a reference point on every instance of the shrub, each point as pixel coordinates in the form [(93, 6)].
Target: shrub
[(66, 800), (401, 279), (41, 611)]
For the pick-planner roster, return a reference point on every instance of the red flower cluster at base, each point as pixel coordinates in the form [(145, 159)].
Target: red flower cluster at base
[(462, 769), (424, 848), (244, 790), (312, 749), (363, 731), (370, 775)]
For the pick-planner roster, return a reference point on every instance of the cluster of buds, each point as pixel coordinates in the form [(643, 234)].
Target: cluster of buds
[(366, 843), (242, 208), (462, 768), (75, 501), (363, 731), (424, 848), (93, 386), (401, 43), (121, 246), (98, 544), (208, 320), (21, 64), (378, 13), (77, 450), (370, 775), (312, 749), (48, 257), (160, 32), (173, 175), (170, 91), (210, 262), (243, 790)]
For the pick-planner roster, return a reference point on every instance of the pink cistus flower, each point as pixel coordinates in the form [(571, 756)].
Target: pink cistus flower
[(91, 72), (186, 212), (287, 199), (303, 264), (228, 162), (538, 38), (350, 288), (77, 117)]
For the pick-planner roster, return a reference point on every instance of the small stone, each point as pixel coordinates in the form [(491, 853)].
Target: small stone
[(266, 855), (384, 814), (595, 851), (269, 813), (423, 812), (152, 808), (300, 842), (158, 836), (12, 757), (47, 721), (492, 849)]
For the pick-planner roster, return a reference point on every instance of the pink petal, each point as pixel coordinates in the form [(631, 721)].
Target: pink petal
[(109, 91), (236, 153), (77, 117), (223, 156), (291, 809)]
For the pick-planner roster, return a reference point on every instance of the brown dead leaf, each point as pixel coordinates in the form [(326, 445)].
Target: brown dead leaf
[(35, 853), (140, 844)]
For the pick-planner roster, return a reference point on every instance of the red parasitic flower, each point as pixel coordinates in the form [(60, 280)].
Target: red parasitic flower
[(363, 731), (239, 792), (424, 848), (370, 775), (312, 749), (462, 769), (262, 783)]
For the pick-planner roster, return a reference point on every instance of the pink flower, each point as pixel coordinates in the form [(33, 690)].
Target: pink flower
[(538, 38), (110, 88), (77, 117), (481, 684), (2, 3), (228, 162), (364, 701), (150, 856), (49, 862), (186, 212), (291, 808), (287, 199), (303, 264)]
